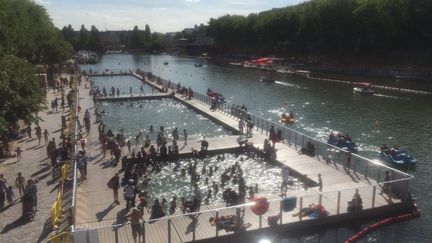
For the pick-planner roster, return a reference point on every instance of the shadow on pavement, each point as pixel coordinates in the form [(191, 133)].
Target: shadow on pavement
[(100, 215), (18, 222)]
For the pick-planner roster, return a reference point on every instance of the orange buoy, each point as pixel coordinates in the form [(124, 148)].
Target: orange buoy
[(261, 205)]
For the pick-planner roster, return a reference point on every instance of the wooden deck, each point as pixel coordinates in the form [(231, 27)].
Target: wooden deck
[(94, 199)]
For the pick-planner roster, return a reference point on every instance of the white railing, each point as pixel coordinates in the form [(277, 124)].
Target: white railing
[(199, 226)]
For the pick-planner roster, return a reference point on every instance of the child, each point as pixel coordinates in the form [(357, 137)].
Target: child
[(20, 181), (9, 194), (18, 151)]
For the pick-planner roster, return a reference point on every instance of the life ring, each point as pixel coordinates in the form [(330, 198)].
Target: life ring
[(261, 205)]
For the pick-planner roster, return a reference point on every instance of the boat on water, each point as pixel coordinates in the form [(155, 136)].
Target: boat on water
[(165, 63), (397, 156), (342, 141), (216, 95), (199, 64), (287, 119), (266, 79), (363, 88)]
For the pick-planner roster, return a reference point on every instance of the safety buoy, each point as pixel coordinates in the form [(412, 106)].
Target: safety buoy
[(382, 223), (261, 205)]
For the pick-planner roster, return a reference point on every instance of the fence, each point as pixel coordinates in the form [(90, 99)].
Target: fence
[(323, 151), (196, 226), (296, 207)]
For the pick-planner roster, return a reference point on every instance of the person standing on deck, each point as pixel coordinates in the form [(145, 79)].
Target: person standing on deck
[(135, 217), (114, 184), (185, 136), (348, 162)]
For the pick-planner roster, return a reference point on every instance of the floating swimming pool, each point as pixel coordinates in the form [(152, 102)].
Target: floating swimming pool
[(137, 116), (123, 83), (169, 182)]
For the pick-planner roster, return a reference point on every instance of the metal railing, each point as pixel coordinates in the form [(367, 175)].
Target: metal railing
[(197, 225), (325, 152), (379, 192)]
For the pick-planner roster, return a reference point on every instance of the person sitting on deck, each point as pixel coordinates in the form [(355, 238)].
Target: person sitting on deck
[(186, 205), (228, 223), (356, 204), (204, 144), (312, 210), (308, 150), (157, 211)]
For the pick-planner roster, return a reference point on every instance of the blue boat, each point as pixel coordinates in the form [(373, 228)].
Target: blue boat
[(342, 141), (398, 157)]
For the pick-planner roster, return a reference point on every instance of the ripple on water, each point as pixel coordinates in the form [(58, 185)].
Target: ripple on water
[(169, 183)]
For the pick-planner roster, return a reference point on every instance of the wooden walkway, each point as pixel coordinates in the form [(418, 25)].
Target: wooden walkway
[(94, 197)]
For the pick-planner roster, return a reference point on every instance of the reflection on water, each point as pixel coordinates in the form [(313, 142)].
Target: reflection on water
[(256, 171), (137, 116), (123, 83)]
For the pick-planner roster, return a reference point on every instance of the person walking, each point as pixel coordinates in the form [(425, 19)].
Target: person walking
[(3, 188), (114, 184), (18, 151), (320, 183), (46, 133), (31, 191), (38, 132), (129, 194), (19, 182)]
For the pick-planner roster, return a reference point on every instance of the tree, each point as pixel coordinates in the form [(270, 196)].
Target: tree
[(94, 40), (21, 96), (83, 39)]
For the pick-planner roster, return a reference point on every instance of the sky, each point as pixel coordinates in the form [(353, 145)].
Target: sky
[(161, 15)]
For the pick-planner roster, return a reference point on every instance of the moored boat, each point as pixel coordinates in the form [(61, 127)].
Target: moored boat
[(397, 156), (287, 119), (266, 79), (216, 95), (363, 88), (342, 141)]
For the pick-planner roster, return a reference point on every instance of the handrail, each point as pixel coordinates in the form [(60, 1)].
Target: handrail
[(226, 108), (74, 186)]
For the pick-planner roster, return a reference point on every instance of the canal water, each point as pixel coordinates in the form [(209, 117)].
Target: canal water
[(320, 107)]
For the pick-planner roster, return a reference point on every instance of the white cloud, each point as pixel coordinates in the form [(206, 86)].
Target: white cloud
[(160, 15), (43, 2)]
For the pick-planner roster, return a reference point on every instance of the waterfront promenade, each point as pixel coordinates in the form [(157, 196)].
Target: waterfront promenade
[(94, 209), (35, 165)]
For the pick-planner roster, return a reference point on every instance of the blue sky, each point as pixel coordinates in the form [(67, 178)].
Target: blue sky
[(161, 15)]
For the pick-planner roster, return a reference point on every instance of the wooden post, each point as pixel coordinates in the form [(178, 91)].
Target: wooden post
[(373, 196), (338, 202)]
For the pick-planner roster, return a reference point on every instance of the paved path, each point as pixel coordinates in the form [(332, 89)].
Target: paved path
[(34, 164)]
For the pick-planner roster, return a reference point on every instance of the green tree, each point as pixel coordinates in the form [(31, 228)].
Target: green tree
[(94, 40), (21, 96), (83, 39)]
